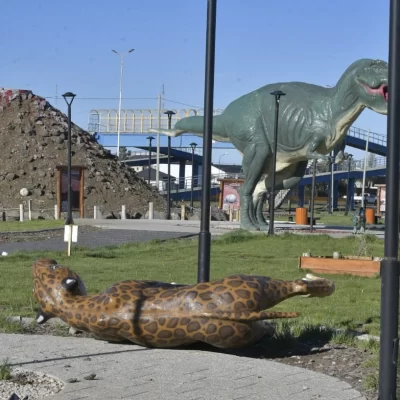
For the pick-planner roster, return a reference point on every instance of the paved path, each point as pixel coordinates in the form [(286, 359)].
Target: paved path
[(133, 231), (137, 373), (94, 239)]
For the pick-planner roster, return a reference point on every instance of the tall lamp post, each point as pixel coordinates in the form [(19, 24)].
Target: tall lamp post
[(170, 114), (193, 146), (277, 94), (203, 270), (314, 164), (348, 158), (389, 337), (69, 98), (120, 93), (219, 162), (150, 139)]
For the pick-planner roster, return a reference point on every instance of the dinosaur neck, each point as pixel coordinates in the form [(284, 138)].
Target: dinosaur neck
[(346, 103)]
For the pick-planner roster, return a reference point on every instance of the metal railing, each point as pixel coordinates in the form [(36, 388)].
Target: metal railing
[(374, 137), (376, 162)]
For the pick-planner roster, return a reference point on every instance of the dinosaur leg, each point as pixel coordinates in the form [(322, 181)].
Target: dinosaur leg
[(284, 179), (255, 156), (259, 205)]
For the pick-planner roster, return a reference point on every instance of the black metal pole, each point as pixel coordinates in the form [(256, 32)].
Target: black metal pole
[(69, 98), (331, 163), (203, 271), (170, 114), (169, 176), (389, 341), (313, 195), (349, 157), (69, 220), (277, 95), (192, 184), (150, 138)]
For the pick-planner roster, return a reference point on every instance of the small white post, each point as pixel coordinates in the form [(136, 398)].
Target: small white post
[(55, 211), (183, 210), (151, 210), (230, 214), (21, 213), (123, 212), (30, 209), (95, 212)]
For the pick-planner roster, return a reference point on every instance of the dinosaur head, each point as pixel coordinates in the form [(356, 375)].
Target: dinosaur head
[(53, 285), (371, 79)]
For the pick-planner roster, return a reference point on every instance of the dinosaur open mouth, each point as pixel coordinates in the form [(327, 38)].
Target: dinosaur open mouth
[(381, 90)]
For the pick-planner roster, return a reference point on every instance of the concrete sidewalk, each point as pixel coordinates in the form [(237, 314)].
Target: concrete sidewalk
[(132, 372)]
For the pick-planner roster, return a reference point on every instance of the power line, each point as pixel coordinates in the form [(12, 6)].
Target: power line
[(106, 98), (183, 104)]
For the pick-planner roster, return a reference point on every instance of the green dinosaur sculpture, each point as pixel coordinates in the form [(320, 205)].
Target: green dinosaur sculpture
[(313, 120)]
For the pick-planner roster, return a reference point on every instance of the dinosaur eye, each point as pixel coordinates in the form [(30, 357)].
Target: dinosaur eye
[(53, 267)]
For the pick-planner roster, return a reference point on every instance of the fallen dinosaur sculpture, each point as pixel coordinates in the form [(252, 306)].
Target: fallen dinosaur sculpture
[(225, 313), (313, 121)]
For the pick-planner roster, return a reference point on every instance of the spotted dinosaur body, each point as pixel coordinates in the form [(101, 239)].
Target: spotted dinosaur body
[(226, 313)]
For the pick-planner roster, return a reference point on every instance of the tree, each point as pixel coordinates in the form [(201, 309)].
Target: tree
[(124, 153)]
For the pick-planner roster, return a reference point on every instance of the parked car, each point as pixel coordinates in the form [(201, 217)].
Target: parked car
[(369, 199)]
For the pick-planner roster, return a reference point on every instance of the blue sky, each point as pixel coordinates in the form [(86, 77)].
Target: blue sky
[(47, 44)]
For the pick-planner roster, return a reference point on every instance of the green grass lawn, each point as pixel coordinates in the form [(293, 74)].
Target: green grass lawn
[(336, 219), (34, 225), (355, 303)]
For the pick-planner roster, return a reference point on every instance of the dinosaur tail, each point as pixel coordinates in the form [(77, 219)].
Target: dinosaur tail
[(195, 124)]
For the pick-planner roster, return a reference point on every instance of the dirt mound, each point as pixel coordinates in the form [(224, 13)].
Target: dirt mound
[(33, 142)]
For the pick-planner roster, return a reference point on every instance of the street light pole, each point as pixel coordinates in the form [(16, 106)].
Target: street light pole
[(69, 98), (150, 139), (389, 337), (219, 162), (203, 270), (314, 164), (170, 114), (120, 93), (277, 94), (331, 194), (349, 158), (193, 146)]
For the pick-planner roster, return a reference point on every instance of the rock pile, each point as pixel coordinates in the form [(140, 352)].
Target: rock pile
[(33, 142)]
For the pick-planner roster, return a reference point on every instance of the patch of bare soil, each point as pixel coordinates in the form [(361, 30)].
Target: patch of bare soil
[(33, 142)]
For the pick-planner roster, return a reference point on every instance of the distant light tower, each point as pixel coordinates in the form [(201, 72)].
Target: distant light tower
[(120, 93)]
